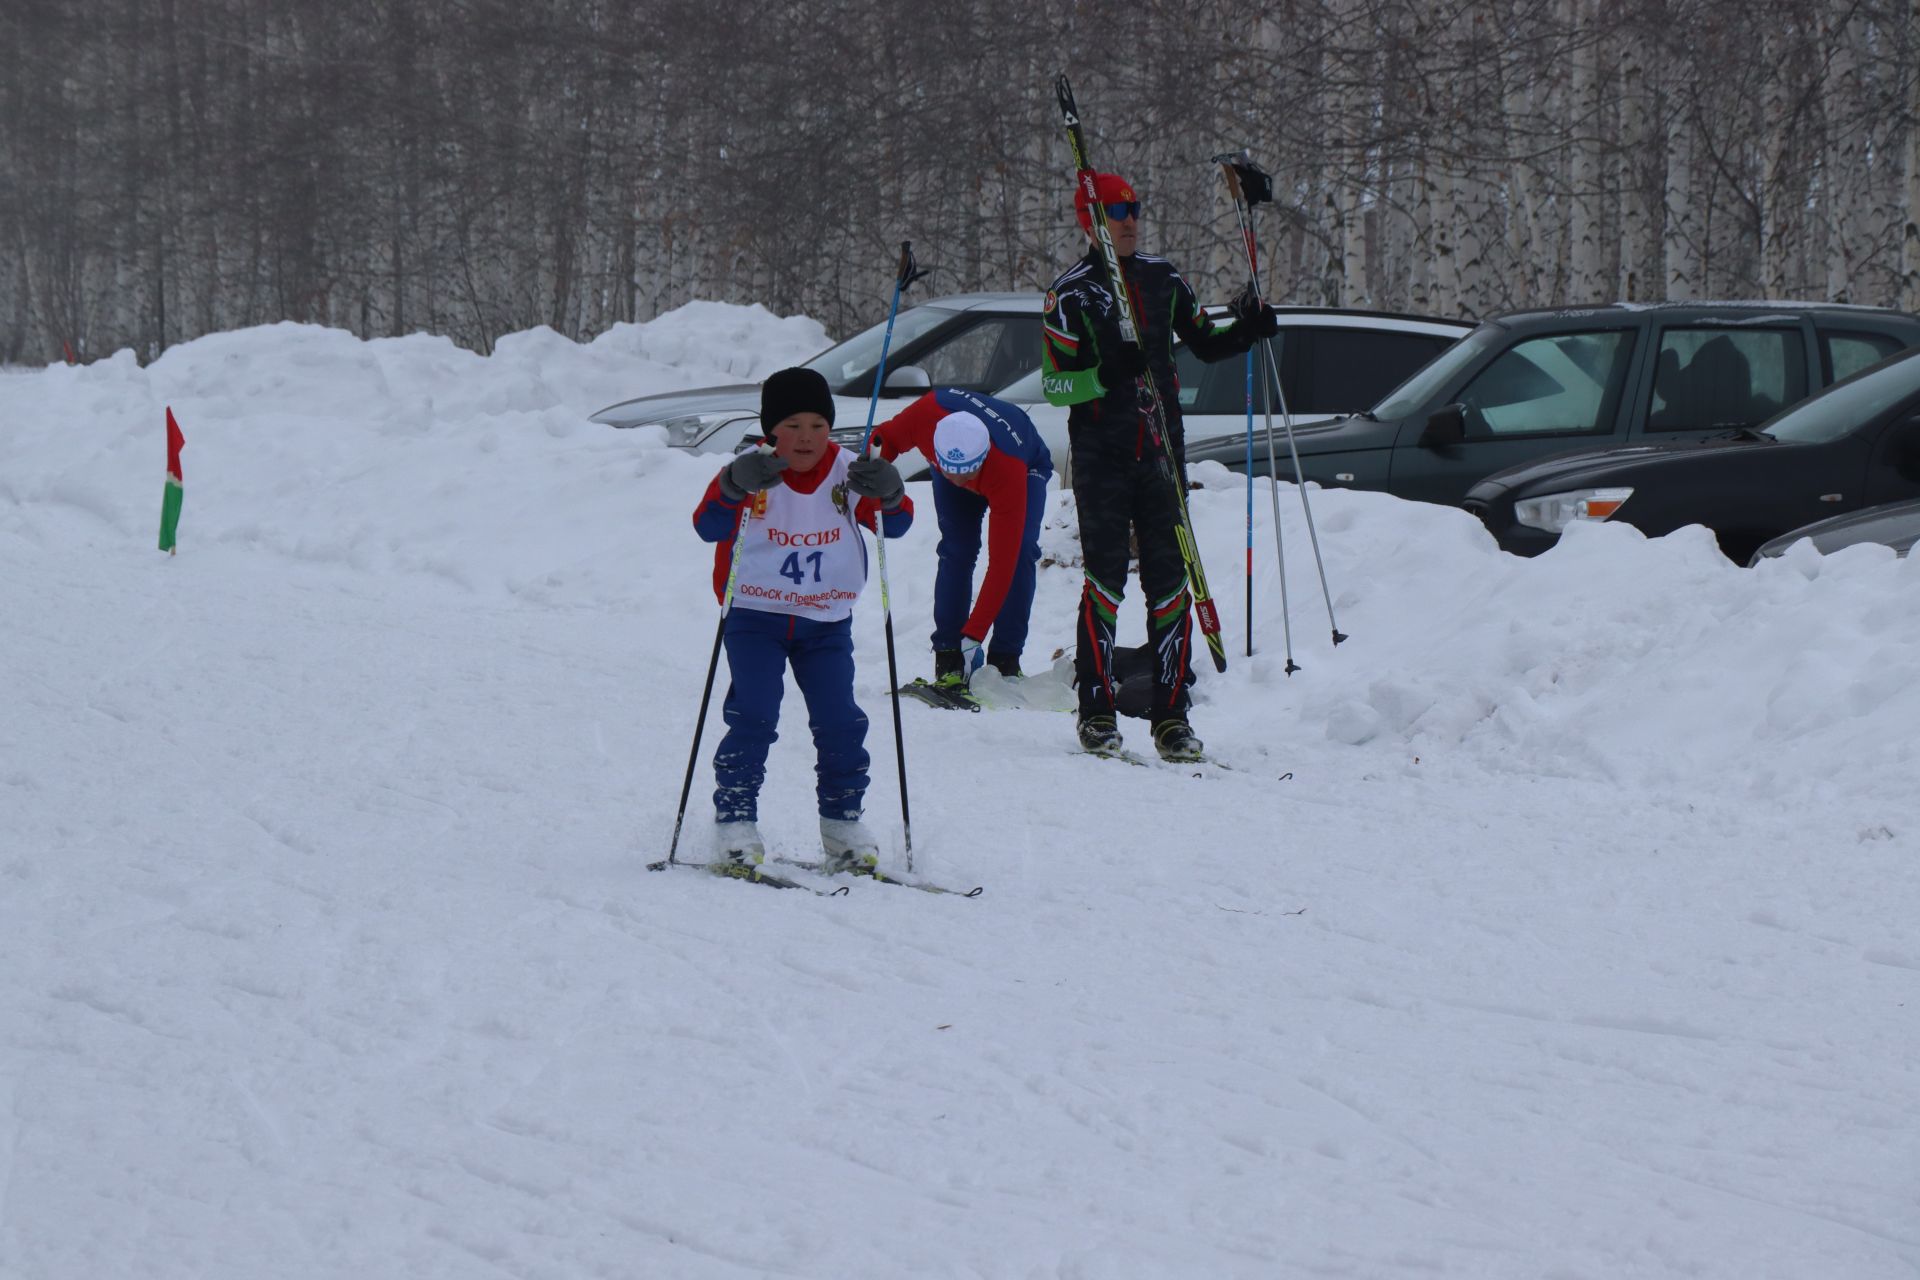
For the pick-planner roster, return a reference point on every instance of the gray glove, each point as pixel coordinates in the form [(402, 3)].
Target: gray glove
[(751, 472), (878, 479)]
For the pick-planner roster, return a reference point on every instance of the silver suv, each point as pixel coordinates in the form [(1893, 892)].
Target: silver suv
[(977, 341)]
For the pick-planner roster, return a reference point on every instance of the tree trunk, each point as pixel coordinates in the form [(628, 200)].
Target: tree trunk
[(1585, 232)]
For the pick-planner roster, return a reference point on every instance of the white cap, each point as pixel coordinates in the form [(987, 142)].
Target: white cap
[(960, 443)]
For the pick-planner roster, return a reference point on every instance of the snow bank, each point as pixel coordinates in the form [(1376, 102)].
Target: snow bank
[(1557, 923)]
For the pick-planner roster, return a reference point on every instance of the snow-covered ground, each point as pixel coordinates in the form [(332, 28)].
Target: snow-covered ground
[(1559, 924)]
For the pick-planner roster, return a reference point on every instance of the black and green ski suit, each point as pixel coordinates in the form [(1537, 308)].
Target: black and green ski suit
[(1120, 467)]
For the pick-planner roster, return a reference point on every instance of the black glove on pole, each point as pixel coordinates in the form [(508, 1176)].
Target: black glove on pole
[(1127, 363), (1254, 316)]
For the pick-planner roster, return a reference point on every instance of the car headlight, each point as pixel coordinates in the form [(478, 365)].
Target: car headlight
[(849, 437), (688, 430), (1555, 511)]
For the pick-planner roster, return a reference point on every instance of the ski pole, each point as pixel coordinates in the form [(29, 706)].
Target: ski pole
[(1250, 363), (908, 273), (706, 693), (1272, 374), (1203, 604), (1249, 185), (1300, 483), (1273, 493)]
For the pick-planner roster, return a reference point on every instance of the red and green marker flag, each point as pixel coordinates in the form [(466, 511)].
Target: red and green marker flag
[(170, 503)]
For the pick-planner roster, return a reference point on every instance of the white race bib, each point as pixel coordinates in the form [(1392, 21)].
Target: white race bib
[(802, 553)]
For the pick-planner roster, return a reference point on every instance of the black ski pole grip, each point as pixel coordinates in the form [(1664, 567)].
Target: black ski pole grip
[(910, 268)]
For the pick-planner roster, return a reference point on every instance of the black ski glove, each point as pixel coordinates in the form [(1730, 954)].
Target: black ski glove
[(878, 479), (751, 472), (1124, 366), (1254, 317)]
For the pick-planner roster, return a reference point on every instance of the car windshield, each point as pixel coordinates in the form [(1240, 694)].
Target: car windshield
[(854, 359), (1847, 405), (1410, 395)]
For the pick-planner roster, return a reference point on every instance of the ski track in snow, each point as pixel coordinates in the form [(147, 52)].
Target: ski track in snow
[(1574, 947)]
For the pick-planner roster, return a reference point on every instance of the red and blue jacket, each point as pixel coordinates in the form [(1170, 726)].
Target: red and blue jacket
[(1015, 451)]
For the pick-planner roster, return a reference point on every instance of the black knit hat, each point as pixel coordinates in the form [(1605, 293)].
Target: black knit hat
[(792, 391)]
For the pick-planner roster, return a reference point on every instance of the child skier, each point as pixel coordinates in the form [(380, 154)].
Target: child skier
[(802, 565)]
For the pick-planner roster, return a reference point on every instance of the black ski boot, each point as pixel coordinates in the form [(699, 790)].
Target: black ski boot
[(946, 669), (1099, 734), (1174, 740), (1007, 664)]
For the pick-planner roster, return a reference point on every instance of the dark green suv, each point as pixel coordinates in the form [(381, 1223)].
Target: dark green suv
[(1535, 383)]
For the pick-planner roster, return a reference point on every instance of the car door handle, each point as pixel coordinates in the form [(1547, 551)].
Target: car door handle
[(1833, 497)]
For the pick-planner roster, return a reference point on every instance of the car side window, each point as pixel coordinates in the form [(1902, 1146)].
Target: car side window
[(1345, 370), (984, 357), (1562, 384), (1847, 353), (1717, 379), (1221, 387)]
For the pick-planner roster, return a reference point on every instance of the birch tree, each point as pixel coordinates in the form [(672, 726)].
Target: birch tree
[(1587, 267)]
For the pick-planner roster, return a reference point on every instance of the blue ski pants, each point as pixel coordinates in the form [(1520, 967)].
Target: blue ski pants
[(760, 646), (961, 513)]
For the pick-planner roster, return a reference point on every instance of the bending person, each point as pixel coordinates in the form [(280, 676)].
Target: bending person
[(989, 465)]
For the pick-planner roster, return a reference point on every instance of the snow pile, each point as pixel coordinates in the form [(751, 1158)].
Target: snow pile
[(1654, 663), (1557, 923)]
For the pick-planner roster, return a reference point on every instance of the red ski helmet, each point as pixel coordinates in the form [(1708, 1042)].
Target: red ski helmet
[(1112, 189)]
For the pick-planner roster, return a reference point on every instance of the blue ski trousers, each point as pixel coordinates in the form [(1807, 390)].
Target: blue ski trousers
[(760, 646)]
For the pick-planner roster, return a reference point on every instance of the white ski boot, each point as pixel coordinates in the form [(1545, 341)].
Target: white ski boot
[(848, 846), (738, 844)]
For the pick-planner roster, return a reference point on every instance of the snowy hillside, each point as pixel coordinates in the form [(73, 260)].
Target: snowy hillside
[(1558, 924)]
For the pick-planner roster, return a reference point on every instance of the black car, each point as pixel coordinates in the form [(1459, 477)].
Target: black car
[(1332, 362), (1536, 383), (1891, 524), (1854, 445)]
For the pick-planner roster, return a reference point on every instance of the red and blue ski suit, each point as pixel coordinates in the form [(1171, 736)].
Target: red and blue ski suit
[(1008, 493), (764, 636)]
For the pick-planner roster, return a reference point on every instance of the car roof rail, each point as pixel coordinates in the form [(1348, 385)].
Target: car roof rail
[(1288, 309)]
